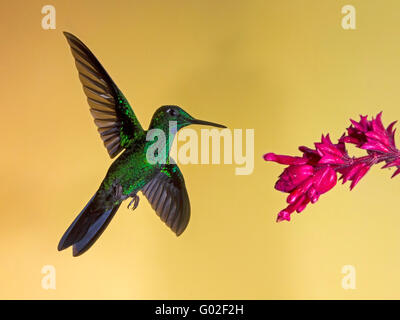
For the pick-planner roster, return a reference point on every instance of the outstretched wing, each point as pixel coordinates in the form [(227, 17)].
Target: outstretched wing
[(167, 195), (114, 117)]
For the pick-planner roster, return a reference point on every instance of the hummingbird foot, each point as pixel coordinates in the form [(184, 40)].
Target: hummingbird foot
[(135, 201)]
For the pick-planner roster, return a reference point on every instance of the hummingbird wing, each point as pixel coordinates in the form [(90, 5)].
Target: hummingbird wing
[(114, 117), (167, 195)]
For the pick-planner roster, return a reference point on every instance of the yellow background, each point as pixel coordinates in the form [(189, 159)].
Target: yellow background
[(285, 68)]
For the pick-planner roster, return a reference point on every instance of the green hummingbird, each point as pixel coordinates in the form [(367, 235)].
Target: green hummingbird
[(161, 183)]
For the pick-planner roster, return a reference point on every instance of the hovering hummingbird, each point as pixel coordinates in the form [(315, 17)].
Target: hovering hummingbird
[(161, 183)]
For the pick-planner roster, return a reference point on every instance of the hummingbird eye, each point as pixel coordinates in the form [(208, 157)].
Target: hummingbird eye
[(172, 112)]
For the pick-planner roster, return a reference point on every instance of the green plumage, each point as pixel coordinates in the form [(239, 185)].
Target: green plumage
[(161, 183)]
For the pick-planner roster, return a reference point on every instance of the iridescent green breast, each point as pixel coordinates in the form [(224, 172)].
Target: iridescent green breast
[(131, 170)]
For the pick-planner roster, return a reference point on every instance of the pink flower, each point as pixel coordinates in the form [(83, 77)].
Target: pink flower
[(309, 190), (371, 135), (308, 177)]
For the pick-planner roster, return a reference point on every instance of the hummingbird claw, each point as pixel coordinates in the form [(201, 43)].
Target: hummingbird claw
[(117, 190), (135, 201)]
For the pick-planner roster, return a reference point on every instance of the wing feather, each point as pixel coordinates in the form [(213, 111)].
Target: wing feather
[(108, 106), (168, 196)]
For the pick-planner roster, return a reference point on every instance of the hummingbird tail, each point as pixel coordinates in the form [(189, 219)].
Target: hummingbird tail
[(88, 226)]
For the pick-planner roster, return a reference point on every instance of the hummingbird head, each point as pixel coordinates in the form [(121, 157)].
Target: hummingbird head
[(165, 114)]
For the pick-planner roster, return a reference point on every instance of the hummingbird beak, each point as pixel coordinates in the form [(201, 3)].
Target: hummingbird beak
[(207, 123)]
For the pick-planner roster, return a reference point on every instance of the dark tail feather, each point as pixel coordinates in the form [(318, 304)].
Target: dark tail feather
[(87, 226)]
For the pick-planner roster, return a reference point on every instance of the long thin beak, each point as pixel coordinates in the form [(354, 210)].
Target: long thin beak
[(207, 123)]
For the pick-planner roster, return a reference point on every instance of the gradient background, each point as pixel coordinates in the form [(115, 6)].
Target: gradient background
[(285, 68)]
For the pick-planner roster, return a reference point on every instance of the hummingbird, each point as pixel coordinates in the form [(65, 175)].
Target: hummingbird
[(161, 183)]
